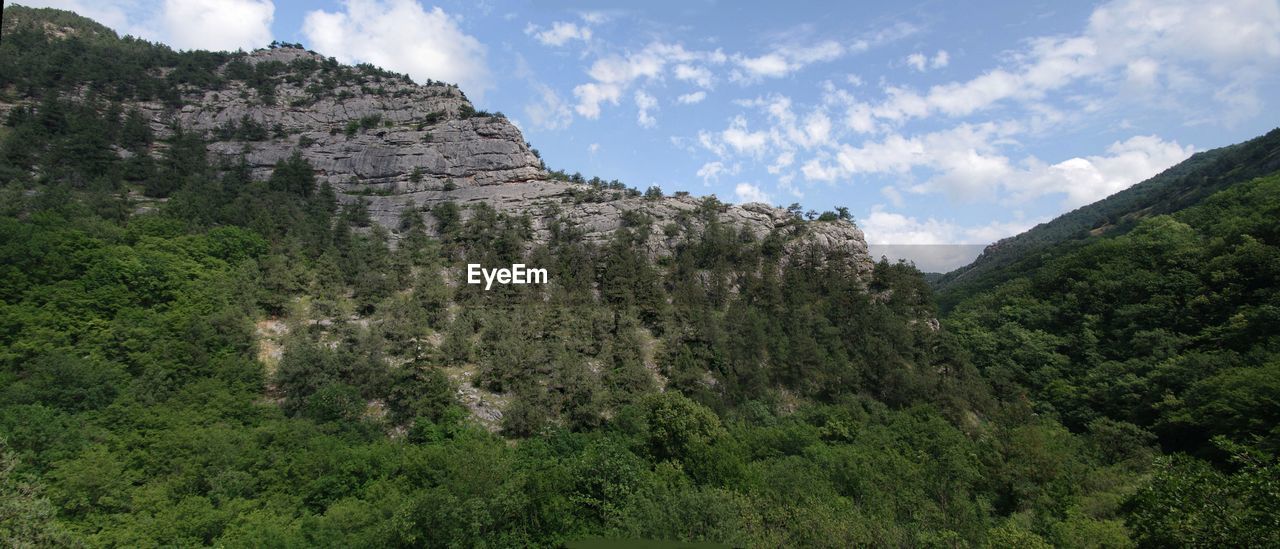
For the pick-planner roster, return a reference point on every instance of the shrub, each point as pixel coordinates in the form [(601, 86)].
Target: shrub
[(371, 121)]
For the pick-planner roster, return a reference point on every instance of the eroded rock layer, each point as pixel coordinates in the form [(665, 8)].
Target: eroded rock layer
[(399, 145)]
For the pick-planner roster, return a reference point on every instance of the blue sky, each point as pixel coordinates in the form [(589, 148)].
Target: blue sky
[(934, 122)]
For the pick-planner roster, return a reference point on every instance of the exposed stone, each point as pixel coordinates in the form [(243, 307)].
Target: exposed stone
[(414, 145)]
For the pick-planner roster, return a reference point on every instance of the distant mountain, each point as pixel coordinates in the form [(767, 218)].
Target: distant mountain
[(1175, 189)]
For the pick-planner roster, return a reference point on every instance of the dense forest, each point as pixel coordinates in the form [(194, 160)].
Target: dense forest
[(1125, 391)]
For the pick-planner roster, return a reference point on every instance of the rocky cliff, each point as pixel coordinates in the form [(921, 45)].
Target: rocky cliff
[(379, 137)]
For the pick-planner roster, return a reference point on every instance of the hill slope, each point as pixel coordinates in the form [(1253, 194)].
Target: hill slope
[(1176, 188)]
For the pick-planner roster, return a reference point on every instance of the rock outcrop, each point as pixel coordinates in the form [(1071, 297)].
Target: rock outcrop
[(381, 138)]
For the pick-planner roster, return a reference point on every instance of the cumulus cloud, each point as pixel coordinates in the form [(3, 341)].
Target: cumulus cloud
[(1088, 179), (746, 192), (645, 103), (112, 13), (785, 60), (711, 171), (787, 131), (613, 75), (917, 61), (1233, 39), (921, 62), (692, 98), (940, 60), (182, 24), (402, 36), (966, 162), (218, 24), (891, 228), (742, 140), (1126, 46), (591, 95), (700, 76), (783, 161), (560, 33)]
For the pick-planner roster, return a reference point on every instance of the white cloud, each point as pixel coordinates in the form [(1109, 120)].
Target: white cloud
[(711, 171), (940, 60), (614, 74), (560, 33), (883, 227), (218, 24), (917, 61), (738, 137), (789, 131), (1143, 72), (1232, 39), (710, 143), (400, 35), (112, 13), (1088, 179), (182, 24), (816, 130), (645, 103), (783, 161), (787, 183), (593, 148), (770, 65), (747, 192), (785, 60), (549, 111), (889, 228), (591, 95), (966, 162), (700, 76), (692, 98)]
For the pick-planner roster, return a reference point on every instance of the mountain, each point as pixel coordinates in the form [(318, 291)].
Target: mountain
[(1174, 189), (235, 310), (378, 137)]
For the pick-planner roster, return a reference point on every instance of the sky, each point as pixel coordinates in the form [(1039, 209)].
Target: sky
[(935, 123)]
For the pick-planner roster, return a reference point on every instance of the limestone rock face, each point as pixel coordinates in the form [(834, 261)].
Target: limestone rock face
[(399, 145)]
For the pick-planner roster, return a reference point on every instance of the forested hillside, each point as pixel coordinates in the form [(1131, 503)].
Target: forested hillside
[(246, 361), (1170, 329), (1179, 187)]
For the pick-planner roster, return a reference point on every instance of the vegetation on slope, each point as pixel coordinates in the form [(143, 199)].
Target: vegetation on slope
[(1179, 187), (804, 405), (1170, 330)]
